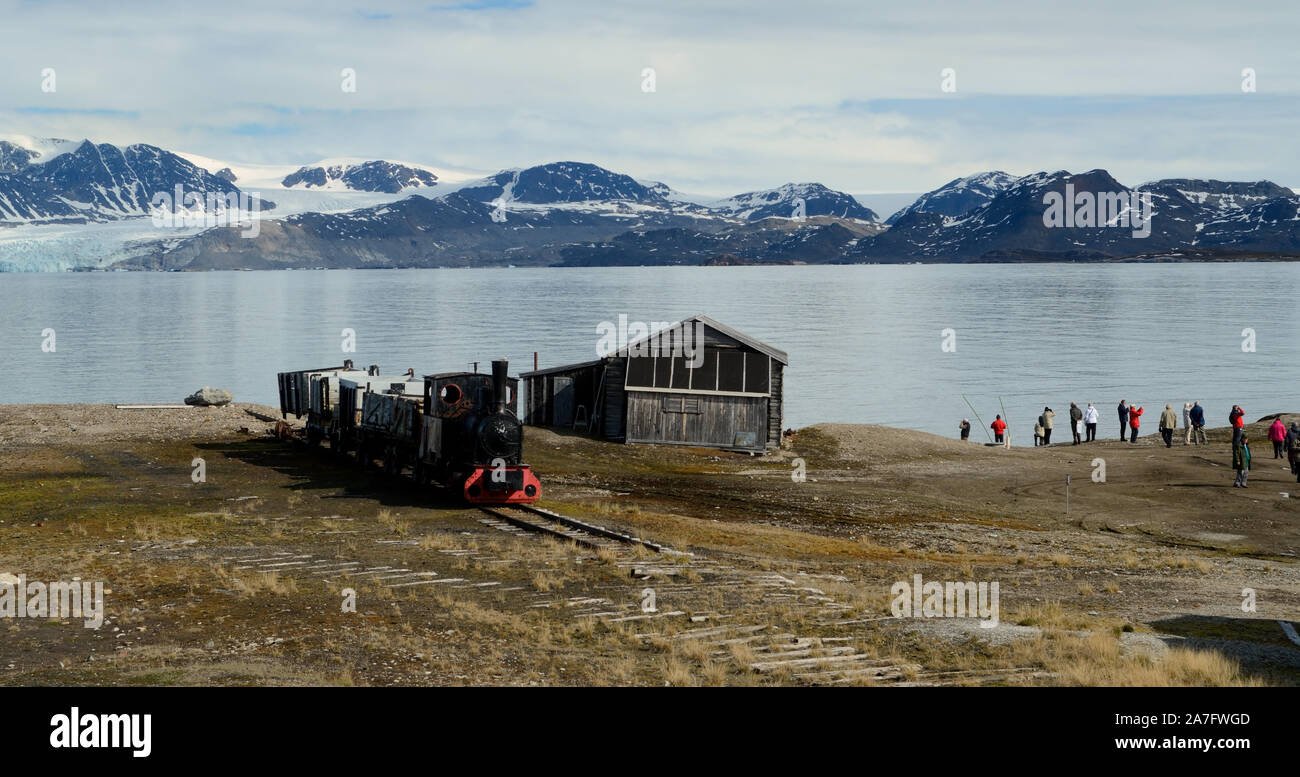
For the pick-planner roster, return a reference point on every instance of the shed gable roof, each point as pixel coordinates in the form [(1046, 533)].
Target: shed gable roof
[(721, 328), (717, 326)]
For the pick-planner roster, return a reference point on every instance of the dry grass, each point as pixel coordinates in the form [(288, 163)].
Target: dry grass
[(389, 520), (715, 673), (1182, 562), (677, 673), (545, 581), (742, 653), (264, 582), (1098, 660), (1049, 615)]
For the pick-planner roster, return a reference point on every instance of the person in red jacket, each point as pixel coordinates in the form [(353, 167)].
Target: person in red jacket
[(999, 428), (1134, 421), (1277, 434), (1238, 420)]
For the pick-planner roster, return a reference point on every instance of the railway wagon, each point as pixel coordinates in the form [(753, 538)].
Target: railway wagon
[(348, 431), (316, 394), (389, 428)]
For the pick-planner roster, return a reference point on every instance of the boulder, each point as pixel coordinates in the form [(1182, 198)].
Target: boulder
[(210, 397)]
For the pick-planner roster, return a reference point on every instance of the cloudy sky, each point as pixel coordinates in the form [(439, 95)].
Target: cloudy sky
[(748, 93)]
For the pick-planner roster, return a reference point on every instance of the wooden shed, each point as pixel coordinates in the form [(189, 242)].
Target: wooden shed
[(698, 382)]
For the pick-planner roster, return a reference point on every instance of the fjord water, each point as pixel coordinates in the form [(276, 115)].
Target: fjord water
[(865, 342)]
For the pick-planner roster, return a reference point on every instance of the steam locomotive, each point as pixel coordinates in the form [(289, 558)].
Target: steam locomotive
[(457, 429)]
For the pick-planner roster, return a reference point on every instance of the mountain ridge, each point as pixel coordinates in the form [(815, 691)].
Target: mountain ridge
[(573, 213)]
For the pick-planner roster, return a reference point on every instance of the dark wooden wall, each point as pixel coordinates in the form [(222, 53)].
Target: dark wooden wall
[(613, 414), (708, 420), (542, 389), (776, 408)]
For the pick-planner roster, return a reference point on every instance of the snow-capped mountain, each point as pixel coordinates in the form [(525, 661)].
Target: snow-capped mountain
[(71, 204), (1216, 199), (1270, 226), (1011, 226), (563, 182), (59, 181), (794, 200), (14, 157), (958, 196), (563, 212), (1187, 219), (372, 176), (368, 182)]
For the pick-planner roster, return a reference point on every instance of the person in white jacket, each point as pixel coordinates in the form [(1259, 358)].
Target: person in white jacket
[(1187, 422), (1090, 422)]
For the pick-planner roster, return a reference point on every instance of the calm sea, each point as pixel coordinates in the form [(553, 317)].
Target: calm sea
[(866, 343)]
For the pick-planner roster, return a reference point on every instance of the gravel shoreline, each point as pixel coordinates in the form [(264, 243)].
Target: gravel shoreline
[(23, 426)]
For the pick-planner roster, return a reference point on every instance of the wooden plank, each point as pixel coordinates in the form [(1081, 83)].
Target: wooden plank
[(857, 659)]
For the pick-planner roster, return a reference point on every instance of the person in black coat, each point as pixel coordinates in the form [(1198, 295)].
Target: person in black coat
[(1123, 418), (1197, 415), (1293, 449)]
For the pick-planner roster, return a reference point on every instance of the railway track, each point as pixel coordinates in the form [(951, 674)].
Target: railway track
[(589, 535)]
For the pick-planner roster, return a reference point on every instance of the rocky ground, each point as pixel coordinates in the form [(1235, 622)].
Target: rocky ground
[(244, 576)]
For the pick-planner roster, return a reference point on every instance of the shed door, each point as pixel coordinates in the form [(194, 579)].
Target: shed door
[(563, 406)]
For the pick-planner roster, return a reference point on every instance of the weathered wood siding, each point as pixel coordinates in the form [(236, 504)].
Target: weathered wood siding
[(776, 410), (719, 421), (613, 419)]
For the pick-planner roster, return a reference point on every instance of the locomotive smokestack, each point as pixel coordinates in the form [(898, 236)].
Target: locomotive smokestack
[(499, 369)]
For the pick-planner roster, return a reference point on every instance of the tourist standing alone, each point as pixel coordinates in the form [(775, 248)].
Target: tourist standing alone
[(1277, 435), (1123, 418), (1241, 460), (1134, 421), (999, 428), (1168, 422), (1076, 423), (965, 428), (1090, 421)]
